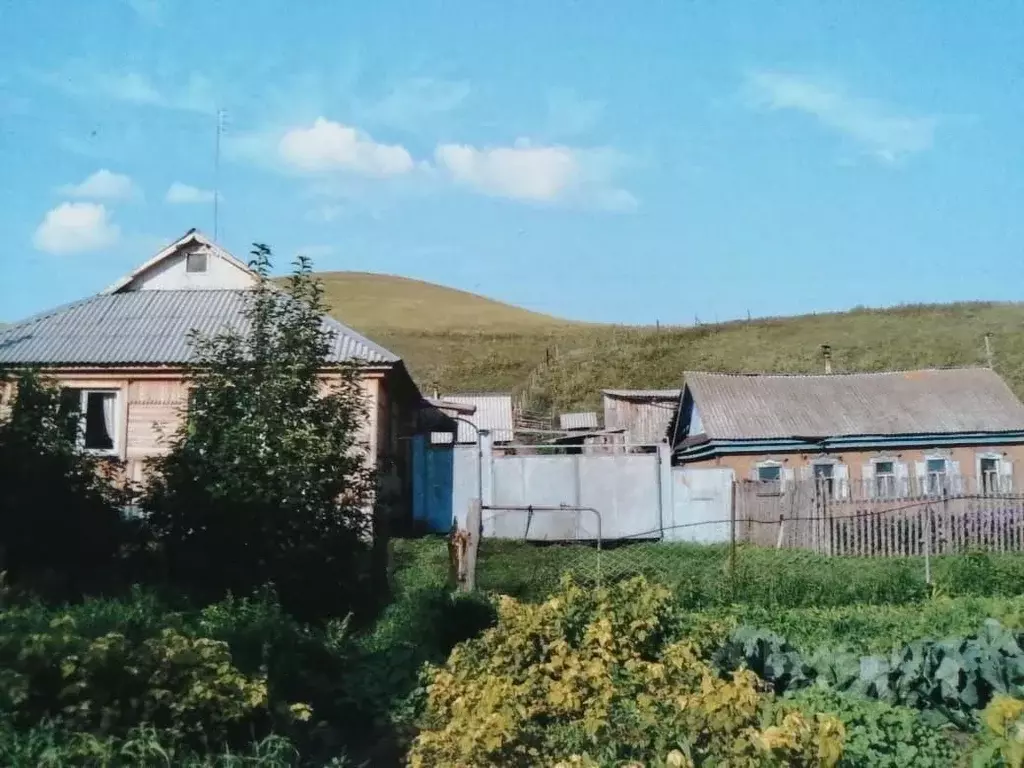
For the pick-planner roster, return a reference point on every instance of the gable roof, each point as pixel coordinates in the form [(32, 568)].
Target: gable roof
[(923, 402), (150, 328), (192, 237)]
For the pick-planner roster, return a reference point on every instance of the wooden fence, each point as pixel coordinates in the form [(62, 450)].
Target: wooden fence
[(950, 516)]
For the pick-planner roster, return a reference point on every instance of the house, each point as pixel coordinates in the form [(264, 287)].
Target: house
[(121, 355), (885, 434), (644, 415), (491, 411)]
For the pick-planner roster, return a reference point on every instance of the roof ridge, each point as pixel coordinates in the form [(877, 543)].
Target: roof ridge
[(840, 374)]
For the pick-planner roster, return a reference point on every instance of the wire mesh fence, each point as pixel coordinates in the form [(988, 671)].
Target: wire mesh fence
[(799, 521)]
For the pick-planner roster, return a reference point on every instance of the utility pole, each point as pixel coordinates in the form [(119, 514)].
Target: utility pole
[(216, 173)]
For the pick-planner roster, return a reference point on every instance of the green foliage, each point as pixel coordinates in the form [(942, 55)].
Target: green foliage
[(598, 677), (186, 686), (60, 522), (949, 679), (700, 577), (49, 745), (877, 629), (266, 481), (1002, 742), (879, 735)]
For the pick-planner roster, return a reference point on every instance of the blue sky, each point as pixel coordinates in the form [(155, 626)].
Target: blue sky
[(606, 161)]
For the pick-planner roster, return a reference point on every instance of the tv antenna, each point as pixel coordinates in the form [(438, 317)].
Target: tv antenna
[(221, 117)]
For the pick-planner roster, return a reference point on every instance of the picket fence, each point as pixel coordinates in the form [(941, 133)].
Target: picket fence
[(945, 515)]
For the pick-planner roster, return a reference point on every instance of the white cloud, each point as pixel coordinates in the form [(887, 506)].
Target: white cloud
[(76, 228), (546, 174), (185, 194), (330, 146), (878, 129), (102, 185)]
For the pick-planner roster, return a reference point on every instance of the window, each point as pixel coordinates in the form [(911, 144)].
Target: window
[(936, 474), (824, 478), (97, 417), (195, 262), (885, 479), (769, 479), (988, 475)]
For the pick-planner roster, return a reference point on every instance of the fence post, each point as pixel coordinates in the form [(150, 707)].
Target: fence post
[(732, 538), (927, 544), (474, 527)]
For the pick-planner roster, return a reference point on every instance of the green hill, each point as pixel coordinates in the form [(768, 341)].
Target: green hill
[(454, 341)]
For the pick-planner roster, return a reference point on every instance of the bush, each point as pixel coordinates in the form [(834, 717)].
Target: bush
[(61, 529), (592, 677), (879, 735)]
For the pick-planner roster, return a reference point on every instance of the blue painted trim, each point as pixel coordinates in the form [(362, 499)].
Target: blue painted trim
[(833, 444)]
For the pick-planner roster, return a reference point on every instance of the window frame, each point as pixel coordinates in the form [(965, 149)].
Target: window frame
[(831, 478), (769, 487), (877, 490), (999, 460), (83, 406), (196, 255), (932, 485)]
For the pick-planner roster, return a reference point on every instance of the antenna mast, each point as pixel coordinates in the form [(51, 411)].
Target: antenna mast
[(216, 173)]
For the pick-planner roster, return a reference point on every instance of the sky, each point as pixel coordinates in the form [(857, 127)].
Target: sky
[(610, 161)]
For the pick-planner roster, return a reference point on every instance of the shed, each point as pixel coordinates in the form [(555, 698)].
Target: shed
[(644, 414), (493, 412)]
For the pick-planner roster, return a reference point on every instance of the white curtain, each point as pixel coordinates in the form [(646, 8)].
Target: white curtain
[(109, 404)]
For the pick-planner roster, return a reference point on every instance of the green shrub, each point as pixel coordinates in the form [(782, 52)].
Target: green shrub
[(598, 677), (879, 735), (110, 684)]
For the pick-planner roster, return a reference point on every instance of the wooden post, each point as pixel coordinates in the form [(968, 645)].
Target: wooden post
[(732, 538), (782, 531), (474, 529)]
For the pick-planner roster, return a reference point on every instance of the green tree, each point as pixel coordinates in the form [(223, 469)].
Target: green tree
[(266, 480), (61, 524)]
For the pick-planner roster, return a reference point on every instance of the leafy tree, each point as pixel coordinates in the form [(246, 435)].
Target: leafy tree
[(61, 526), (266, 479)]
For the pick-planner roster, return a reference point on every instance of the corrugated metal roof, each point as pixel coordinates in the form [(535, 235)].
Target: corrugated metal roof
[(493, 412), (584, 420), (945, 401), (643, 394), (149, 327)]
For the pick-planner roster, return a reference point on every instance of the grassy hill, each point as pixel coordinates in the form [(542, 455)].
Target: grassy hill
[(458, 341)]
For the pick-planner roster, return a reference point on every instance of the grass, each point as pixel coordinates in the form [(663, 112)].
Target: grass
[(764, 578), (456, 341)]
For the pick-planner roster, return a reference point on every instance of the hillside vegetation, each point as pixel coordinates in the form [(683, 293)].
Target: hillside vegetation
[(455, 341)]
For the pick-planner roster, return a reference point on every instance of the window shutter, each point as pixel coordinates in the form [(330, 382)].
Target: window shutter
[(806, 472), (787, 478), (1005, 475), (921, 471), (841, 480), (956, 485), (868, 480)]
